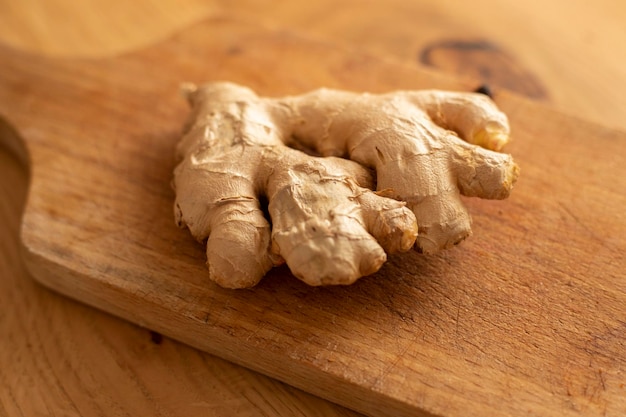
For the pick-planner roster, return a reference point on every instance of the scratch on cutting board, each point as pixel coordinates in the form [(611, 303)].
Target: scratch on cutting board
[(387, 369)]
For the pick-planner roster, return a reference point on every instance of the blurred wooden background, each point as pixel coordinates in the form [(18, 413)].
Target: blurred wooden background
[(58, 357)]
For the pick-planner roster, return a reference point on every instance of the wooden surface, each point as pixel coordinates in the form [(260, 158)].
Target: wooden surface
[(501, 324), (62, 358), (566, 52)]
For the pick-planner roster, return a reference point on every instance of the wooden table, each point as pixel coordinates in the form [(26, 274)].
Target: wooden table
[(59, 357)]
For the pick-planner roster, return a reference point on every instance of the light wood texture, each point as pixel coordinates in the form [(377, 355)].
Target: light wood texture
[(566, 52), (500, 325), (570, 47)]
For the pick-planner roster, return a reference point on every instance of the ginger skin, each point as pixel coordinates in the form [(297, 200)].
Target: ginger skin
[(327, 223)]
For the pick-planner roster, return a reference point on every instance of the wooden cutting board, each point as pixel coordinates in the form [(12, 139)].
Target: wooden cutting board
[(527, 317)]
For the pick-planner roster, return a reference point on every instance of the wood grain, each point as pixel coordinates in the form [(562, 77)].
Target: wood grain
[(569, 50), (62, 358), (501, 324), (579, 54)]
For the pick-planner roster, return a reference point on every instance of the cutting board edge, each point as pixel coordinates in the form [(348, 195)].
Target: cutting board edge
[(55, 277)]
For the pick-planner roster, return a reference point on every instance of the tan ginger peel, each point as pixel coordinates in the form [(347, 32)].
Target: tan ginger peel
[(425, 147)]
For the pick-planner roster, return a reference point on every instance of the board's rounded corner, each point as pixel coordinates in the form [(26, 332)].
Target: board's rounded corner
[(30, 256)]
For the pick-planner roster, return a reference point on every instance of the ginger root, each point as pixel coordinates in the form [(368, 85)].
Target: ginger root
[(418, 149)]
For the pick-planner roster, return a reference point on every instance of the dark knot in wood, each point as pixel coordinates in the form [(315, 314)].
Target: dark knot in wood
[(484, 61)]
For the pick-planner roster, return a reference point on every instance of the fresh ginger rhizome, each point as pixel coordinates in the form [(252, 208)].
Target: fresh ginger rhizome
[(332, 220)]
